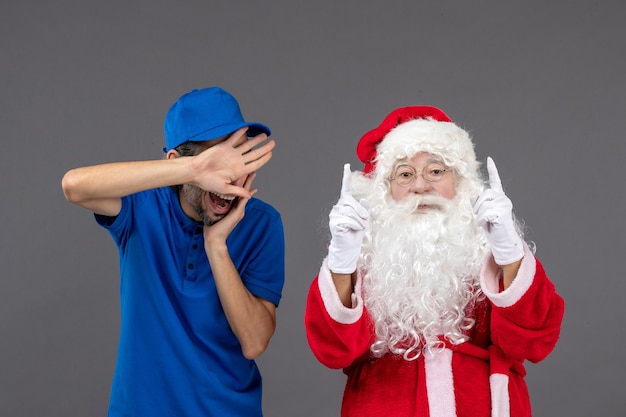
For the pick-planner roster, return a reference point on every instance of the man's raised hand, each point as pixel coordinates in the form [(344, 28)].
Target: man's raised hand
[(218, 167)]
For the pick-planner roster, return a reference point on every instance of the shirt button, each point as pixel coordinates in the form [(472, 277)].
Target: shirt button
[(190, 266)]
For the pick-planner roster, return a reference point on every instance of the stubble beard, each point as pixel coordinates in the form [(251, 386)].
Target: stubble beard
[(195, 197)]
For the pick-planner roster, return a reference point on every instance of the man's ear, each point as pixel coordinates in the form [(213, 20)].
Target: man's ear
[(172, 154)]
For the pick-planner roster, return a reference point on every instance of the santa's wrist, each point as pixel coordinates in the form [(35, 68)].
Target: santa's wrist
[(509, 252), (491, 274), (341, 262), (341, 275), (348, 271), (332, 301), (504, 261)]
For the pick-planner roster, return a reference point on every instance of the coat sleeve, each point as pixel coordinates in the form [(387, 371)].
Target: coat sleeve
[(337, 335), (526, 317)]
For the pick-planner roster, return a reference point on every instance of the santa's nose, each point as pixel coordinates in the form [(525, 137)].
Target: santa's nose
[(420, 185)]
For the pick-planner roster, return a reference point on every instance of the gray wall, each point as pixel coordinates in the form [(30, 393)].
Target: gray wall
[(539, 84)]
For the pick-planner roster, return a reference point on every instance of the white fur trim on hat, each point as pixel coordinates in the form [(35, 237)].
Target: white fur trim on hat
[(443, 139)]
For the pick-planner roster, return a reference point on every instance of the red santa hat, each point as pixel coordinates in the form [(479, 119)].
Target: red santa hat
[(409, 130)]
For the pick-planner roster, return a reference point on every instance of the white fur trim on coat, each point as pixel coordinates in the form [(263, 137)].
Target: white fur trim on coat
[(490, 278), (500, 402), (332, 302), (440, 383)]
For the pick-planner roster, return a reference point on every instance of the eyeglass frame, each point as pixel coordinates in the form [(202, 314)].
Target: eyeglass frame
[(445, 170)]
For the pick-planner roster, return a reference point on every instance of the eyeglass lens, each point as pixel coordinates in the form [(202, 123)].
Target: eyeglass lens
[(405, 175)]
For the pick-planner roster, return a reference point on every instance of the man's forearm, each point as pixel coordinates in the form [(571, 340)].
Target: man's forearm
[(119, 179), (252, 319)]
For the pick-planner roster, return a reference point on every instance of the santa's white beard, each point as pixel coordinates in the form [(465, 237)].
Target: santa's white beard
[(421, 270)]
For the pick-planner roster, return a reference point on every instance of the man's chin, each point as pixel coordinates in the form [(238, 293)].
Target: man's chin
[(210, 220)]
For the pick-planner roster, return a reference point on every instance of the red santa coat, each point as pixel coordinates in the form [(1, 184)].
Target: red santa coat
[(481, 377)]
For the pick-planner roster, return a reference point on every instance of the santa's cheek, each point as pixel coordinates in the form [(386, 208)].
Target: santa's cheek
[(398, 195)]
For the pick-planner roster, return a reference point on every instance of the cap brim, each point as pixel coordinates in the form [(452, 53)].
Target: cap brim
[(217, 132), (254, 129)]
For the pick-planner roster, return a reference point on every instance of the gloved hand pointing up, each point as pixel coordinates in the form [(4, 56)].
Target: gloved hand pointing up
[(494, 213), (348, 220)]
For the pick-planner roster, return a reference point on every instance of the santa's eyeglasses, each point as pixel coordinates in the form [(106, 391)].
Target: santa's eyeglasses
[(405, 175)]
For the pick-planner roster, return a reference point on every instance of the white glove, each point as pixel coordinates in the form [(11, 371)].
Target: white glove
[(348, 220), (494, 213)]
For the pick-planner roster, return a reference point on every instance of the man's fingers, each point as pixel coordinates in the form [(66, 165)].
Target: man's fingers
[(258, 163), (250, 155), (346, 182), (248, 184), (234, 137), (494, 177), (237, 191), (245, 190), (251, 143)]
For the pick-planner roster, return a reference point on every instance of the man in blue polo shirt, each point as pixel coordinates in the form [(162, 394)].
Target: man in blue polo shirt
[(200, 281)]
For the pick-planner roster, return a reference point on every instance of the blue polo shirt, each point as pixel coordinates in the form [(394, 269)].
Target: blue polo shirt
[(177, 355)]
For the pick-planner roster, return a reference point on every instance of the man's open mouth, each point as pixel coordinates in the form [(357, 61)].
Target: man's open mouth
[(220, 203)]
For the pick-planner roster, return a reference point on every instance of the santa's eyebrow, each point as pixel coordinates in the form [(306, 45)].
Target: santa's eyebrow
[(403, 164), (434, 160)]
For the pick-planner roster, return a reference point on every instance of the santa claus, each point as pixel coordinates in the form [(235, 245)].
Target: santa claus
[(429, 299)]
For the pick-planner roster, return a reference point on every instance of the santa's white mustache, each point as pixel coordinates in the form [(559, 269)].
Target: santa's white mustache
[(413, 202)]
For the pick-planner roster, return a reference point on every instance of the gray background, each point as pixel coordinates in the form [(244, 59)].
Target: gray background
[(539, 84)]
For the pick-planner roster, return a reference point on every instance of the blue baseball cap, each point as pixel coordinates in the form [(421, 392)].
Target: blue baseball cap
[(206, 114)]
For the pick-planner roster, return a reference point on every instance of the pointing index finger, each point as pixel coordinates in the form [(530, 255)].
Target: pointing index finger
[(346, 182), (494, 177)]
